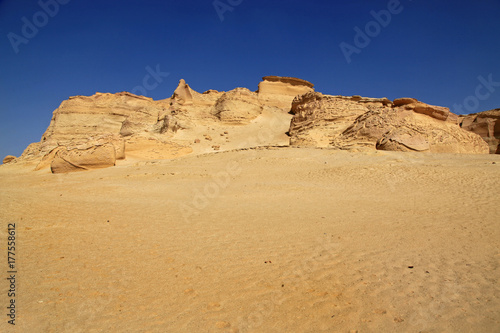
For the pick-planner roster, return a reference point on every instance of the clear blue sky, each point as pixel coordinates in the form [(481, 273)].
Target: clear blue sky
[(431, 50)]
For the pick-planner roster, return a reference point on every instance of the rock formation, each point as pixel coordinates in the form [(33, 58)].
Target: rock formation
[(354, 122), (88, 132), (487, 125), (139, 127), (8, 159), (318, 118), (238, 106), (279, 91), (93, 157)]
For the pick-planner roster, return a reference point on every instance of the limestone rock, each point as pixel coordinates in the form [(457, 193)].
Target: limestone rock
[(318, 119), (103, 117), (95, 157), (130, 123), (142, 148), (187, 107), (8, 159), (438, 112), (182, 93), (357, 122), (238, 106), (81, 116), (405, 130), (404, 101), (487, 125), (88, 132), (403, 141), (47, 159), (117, 142), (279, 91)]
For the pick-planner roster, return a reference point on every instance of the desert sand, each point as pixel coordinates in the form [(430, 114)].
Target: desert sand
[(279, 210), (258, 240)]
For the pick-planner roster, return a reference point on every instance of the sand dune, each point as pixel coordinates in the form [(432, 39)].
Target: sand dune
[(259, 240)]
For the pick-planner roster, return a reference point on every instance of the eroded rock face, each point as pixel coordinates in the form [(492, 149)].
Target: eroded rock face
[(151, 129), (398, 129), (438, 112), (81, 116), (95, 157), (487, 125), (318, 119), (357, 123), (88, 132), (403, 141), (238, 106), (8, 159), (97, 119), (279, 91)]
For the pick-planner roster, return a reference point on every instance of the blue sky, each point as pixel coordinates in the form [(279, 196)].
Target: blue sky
[(434, 51)]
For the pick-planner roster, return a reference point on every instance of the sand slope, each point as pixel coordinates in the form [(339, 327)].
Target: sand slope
[(281, 240)]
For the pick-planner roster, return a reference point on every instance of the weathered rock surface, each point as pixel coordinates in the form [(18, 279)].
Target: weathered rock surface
[(487, 125), (121, 113), (405, 130), (401, 141), (8, 159), (318, 119), (238, 106), (141, 128), (94, 157), (88, 132), (279, 91), (355, 122)]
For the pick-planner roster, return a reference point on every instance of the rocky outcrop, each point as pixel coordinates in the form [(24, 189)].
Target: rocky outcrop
[(121, 114), (238, 106), (95, 157), (356, 123), (487, 125), (437, 112), (8, 159), (279, 91), (318, 119), (406, 130), (140, 127), (89, 132), (400, 140), (91, 120)]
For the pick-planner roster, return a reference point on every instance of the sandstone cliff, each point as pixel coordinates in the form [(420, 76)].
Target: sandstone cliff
[(88, 132), (487, 125), (139, 127), (279, 91), (356, 123)]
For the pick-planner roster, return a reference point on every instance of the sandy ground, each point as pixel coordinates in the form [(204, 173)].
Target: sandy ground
[(268, 240)]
